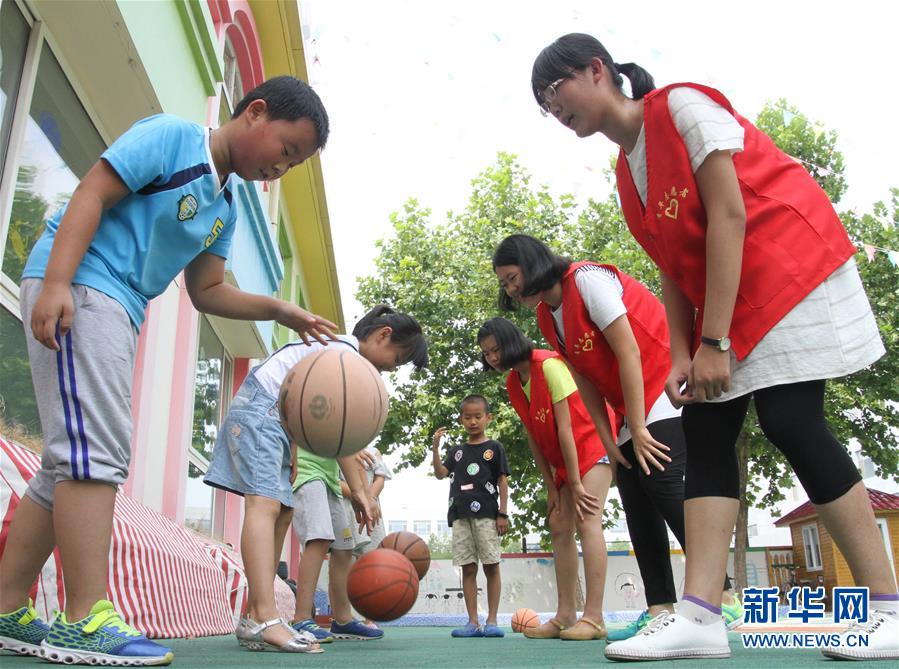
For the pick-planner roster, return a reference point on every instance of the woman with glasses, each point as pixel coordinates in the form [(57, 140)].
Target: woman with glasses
[(763, 301)]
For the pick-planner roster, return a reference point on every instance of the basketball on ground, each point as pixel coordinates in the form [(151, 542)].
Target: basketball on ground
[(333, 403), (525, 619), (413, 547), (382, 585)]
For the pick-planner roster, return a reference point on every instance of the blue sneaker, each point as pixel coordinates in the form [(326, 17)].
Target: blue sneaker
[(490, 630), (309, 625), (102, 638), (469, 631), (631, 630), (21, 631), (355, 630)]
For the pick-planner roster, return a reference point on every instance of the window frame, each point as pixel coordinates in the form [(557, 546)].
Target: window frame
[(812, 548), (39, 36)]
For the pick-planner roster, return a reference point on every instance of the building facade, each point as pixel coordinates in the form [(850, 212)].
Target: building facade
[(817, 561), (73, 77)]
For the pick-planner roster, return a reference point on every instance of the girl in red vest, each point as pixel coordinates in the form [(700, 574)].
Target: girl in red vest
[(574, 466), (763, 301), (612, 332)]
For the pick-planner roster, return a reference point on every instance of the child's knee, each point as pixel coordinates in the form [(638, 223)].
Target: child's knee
[(341, 559), (491, 569), (470, 569)]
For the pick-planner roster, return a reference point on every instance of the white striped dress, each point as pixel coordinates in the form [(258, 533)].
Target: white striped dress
[(831, 332)]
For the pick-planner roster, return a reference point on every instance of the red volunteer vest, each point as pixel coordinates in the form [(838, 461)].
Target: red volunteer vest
[(794, 238), (589, 353), (539, 419)]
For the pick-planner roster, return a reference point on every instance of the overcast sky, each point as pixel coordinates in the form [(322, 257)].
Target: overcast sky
[(422, 95)]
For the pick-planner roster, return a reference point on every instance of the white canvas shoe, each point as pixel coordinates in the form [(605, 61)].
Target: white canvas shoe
[(882, 630), (670, 636)]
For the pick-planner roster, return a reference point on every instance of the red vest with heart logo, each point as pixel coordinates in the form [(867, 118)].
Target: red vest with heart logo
[(539, 419), (794, 239), (586, 347)]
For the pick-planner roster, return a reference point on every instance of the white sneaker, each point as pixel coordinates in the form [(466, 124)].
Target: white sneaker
[(883, 639), (670, 636)]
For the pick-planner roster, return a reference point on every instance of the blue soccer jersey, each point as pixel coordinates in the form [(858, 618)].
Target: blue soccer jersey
[(177, 209)]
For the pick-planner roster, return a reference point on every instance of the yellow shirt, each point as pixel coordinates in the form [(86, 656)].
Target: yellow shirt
[(559, 380)]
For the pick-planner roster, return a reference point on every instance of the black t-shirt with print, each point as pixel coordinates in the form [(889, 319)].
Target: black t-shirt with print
[(475, 470)]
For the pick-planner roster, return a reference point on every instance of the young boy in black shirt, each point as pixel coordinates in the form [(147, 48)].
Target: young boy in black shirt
[(477, 509)]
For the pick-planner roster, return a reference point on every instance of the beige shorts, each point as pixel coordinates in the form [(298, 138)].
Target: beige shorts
[(475, 540)]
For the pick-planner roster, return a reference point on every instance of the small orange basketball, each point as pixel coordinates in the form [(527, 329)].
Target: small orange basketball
[(333, 402), (412, 546), (525, 619), (382, 585)]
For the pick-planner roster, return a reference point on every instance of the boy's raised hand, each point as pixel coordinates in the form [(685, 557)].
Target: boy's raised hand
[(305, 323), (53, 306), (439, 434)]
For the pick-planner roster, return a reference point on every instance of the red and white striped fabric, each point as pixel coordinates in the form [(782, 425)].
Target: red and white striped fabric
[(163, 579)]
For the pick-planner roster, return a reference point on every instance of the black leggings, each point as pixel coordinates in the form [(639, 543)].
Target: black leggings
[(651, 502), (792, 417)]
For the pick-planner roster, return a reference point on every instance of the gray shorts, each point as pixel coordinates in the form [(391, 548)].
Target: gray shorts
[(318, 514), (83, 392)]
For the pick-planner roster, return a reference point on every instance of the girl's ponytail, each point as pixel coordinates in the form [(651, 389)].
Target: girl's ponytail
[(405, 332), (641, 80), (574, 52)]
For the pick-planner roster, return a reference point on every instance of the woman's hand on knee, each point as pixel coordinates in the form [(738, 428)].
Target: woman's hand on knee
[(648, 451)]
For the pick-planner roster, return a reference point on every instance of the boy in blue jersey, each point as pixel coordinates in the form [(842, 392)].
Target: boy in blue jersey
[(160, 200)]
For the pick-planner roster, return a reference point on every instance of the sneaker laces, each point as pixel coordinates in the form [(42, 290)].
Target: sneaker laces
[(657, 623), (109, 618), (875, 620)]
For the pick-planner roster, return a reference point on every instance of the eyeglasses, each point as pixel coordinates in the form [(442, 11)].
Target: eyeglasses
[(549, 94)]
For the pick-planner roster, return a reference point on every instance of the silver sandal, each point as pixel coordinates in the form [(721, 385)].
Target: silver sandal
[(249, 635)]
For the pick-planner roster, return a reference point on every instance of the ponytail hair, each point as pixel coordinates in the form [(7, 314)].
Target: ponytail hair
[(573, 52), (405, 332)]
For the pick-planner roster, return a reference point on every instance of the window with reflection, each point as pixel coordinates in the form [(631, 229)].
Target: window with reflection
[(212, 384), (60, 146)]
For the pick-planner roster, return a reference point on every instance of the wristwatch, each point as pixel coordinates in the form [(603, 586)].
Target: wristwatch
[(722, 344)]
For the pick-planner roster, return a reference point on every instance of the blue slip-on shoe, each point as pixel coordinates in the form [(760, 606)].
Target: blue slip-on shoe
[(309, 625), (492, 631), (21, 631), (632, 629), (355, 630), (468, 632), (101, 638)]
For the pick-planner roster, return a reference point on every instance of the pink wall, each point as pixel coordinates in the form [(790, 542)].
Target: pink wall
[(181, 408)]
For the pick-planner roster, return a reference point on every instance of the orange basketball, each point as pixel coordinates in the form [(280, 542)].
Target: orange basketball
[(525, 619), (333, 402), (382, 585), (413, 547)]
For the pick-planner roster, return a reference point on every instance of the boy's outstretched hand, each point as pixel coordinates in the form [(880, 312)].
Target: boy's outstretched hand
[(367, 513), (305, 323)]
